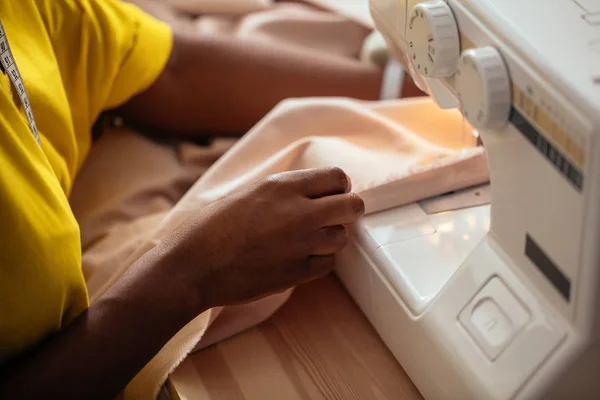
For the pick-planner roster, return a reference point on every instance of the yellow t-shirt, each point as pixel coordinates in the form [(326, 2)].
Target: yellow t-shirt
[(77, 58)]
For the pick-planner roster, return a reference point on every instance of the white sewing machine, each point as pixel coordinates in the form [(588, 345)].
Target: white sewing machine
[(497, 301)]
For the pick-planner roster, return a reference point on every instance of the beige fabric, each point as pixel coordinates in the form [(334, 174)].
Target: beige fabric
[(130, 183), (119, 199), (364, 138), (129, 193), (357, 10), (126, 186), (323, 33), (318, 32), (223, 7)]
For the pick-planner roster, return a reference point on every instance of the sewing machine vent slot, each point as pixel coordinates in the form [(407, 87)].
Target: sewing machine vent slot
[(547, 267)]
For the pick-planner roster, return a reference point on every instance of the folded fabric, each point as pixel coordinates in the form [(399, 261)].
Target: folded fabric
[(357, 10), (322, 33), (127, 188), (392, 151), (319, 32), (367, 139), (227, 7)]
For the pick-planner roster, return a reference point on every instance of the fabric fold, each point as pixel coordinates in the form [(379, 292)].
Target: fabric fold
[(389, 164), (132, 191)]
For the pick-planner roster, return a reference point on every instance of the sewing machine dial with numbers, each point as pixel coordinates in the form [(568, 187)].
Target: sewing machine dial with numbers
[(433, 40), (483, 87)]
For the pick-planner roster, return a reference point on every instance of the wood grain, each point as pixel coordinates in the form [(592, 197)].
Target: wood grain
[(318, 346)]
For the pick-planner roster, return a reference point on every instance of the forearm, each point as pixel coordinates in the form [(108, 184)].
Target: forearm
[(223, 86), (102, 350)]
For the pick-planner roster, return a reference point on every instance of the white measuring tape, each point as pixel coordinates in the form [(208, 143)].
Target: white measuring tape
[(9, 66)]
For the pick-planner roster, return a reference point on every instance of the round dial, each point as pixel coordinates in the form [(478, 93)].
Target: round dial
[(432, 38), (483, 88)]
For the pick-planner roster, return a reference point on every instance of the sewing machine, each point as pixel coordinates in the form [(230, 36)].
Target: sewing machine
[(499, 300)]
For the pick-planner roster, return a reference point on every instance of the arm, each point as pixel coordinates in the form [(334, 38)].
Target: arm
[(280, 232), (105, 347), (219, 85)]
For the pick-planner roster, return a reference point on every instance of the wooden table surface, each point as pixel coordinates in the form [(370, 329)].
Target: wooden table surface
[(318, 346)]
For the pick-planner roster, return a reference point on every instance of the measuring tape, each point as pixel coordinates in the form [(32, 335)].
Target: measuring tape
[(9, 66)]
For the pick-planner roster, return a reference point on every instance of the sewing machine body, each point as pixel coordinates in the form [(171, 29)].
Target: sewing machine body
[(496, 301)]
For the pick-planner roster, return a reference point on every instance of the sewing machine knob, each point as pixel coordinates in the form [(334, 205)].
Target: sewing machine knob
[(432, 38), (483, 88)]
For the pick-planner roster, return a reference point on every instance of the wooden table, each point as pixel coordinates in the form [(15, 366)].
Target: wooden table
[(318, 346)]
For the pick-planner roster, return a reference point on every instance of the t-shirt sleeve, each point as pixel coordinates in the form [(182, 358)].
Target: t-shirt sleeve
[(108, 51)]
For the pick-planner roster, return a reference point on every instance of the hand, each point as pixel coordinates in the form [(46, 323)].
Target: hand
[(280, 232)]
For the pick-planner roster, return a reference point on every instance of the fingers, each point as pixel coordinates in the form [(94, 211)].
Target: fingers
[(324, 244), (318, 182), (341, 209), (312, 268), (328, 240), (320, 266), (326, 182)]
